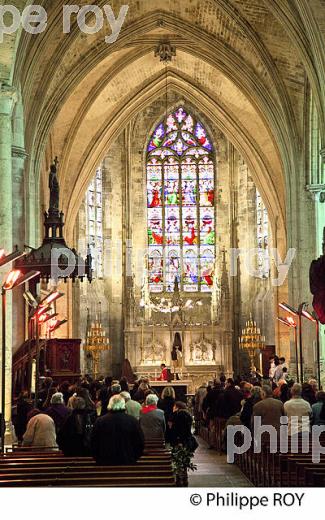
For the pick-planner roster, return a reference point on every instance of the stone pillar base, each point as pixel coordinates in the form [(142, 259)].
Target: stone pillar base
[(10, 435)]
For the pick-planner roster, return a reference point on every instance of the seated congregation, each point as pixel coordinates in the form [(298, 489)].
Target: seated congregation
[(98, 434), (282, 423), (127, 435)]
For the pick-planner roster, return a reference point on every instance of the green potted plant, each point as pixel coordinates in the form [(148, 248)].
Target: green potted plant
[(182, 462)]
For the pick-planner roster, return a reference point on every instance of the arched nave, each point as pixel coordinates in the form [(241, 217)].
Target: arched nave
[(254, 73)]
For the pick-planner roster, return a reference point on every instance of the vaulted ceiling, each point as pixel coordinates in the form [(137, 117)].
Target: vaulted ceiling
[(243, 62)]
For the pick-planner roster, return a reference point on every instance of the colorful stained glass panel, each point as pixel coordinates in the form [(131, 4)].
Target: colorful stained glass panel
[(181, 205), (179, 147), (173, 265), (190, 232), (191, 269), (180, 114), (155, 226), (157, 138), (188, 170), (171, 169), (172, 218), (188, 124), (206, 169), (171, 192), (189, 193), (207, 232), (207, 268), (154, 191), (154, 170), (202, 138), (171, 138), (206, 187)]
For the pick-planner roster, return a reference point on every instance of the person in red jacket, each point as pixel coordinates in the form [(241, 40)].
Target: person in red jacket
[(164, 373)]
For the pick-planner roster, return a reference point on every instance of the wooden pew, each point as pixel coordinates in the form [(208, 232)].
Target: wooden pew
[(98, 481), (23, 468), (296, 465), (275, 469)]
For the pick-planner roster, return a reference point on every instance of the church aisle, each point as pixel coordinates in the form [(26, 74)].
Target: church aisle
[(213, 470)]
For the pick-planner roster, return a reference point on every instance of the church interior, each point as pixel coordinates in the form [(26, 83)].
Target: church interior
[(163, 195)]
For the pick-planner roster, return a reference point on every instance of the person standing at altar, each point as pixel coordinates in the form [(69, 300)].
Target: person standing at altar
[(164, 373), (176, 357)]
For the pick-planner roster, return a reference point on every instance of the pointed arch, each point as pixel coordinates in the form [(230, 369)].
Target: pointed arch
[(180, 169)]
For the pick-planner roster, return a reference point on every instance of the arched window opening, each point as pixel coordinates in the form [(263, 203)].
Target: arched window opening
[(181, 205), (262, 226), (94, 222)]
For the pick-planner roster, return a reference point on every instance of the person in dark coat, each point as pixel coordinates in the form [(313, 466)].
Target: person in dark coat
[(115, 389), (58, 411), (117, 438), (104, 393), (166, 404), (142, 392), (181, 430), (24, 405), (167, 401), (285, 392), (231, 400), (213, 400), (254, 397), (308, 394), (90, 405), (44, 391), (124, 384), (74, 436), (64, 389)]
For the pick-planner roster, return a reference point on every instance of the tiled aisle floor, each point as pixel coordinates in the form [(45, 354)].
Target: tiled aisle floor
[(213, 470)]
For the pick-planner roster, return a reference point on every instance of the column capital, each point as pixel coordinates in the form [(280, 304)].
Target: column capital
[(19, 152), (8, 98), (317, 192)]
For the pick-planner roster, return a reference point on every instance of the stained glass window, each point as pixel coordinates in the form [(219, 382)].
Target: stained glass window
[(181, 205), (262, 227), (94, 224)]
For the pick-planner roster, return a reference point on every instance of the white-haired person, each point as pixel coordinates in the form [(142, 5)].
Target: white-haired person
[(298, 411), (132, 407), (117, 438), (58, 410), (152, 420)]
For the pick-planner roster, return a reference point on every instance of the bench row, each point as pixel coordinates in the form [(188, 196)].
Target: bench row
[(19, 469)]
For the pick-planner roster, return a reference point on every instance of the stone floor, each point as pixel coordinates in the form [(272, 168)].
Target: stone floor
[(213, 470)]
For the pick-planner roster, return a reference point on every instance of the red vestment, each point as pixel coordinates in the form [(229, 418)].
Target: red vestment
[(164, 375)]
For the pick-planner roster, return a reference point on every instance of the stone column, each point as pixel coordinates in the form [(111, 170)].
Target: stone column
[(7, 100), (317, 192), (18, 215)]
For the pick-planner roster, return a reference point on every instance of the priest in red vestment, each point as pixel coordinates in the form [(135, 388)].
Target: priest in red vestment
[(164, 373)]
